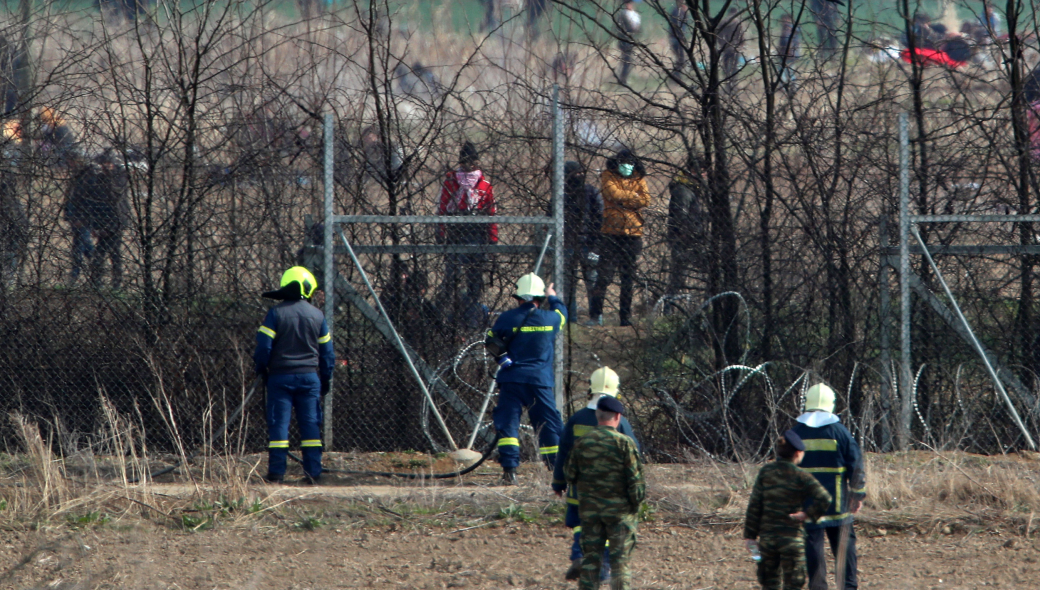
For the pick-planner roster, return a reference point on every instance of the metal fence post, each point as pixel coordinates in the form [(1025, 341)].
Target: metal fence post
[(329, 273), (905, 373), (558, 246)]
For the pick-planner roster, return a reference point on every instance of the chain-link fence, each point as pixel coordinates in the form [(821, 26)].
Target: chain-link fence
[(157, 178)]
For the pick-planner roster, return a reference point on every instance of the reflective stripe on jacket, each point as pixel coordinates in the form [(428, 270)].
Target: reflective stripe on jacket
[(835, 460)]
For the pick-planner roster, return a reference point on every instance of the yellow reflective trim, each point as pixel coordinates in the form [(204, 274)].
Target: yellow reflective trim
[(536, 329), (577, 529), (862, 490), (837, 491), (509, 442), (266, 331), (278, 444), (491, 333), (325, 339), (563, 318), (824, 469), (572, 500), (820, 444), (582, 429), (310, 443), (548, 450), (832, 517)]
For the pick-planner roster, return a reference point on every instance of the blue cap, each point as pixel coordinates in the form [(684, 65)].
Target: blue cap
[(794, 440), (609, 403)]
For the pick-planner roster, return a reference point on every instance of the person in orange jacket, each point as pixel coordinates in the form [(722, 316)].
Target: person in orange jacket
[(625, 195)]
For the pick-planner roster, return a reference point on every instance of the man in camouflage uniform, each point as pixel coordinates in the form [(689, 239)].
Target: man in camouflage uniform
[(605, 470), (775, 515)]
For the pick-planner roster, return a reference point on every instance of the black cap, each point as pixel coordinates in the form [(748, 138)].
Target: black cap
[(609, 403), (794, 440)]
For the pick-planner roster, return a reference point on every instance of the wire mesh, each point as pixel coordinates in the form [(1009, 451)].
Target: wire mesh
[(143, 210)]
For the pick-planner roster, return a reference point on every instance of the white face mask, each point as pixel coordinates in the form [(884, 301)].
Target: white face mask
[(626, 169)]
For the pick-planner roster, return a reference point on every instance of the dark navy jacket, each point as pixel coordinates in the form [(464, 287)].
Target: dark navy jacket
[(533, 346), (835, 460), (294, 338), (581, 422)]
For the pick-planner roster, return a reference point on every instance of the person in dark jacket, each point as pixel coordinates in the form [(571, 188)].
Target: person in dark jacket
[(628, 24), (835, 460), (678, 34), (525, 375), (826, 13), (685, 221), (583, 218), (604, 382), (731, 43), (788, 51), (294, 356), (96, 207), (625, 195), (14, 223)]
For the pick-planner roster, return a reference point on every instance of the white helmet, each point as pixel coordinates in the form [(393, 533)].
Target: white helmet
[(604, 381), (819, 397), (529, 287)]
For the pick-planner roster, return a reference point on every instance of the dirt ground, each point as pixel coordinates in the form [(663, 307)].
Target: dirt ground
[(938, 534), (514, 556)]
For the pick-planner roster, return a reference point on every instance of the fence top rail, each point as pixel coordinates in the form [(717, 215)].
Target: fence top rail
[(974, 218), (517, 219)]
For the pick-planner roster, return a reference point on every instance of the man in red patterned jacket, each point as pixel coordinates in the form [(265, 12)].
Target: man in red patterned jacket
[(466, 192)]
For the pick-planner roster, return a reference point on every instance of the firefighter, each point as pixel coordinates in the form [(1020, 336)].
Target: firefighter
[(525, 375), (835, 460), (604, 382), (294, 356)]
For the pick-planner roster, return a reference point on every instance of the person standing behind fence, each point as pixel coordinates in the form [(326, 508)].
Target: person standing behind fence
[(523, 341), (678, 33), (826, 13), (603, 382), (625, 195), (14, 223), (294, 356), (605, 469), (775, 514), (788, 51), (835, 460), (96, 205), (685, 221), (628, 24), (583, 216), (466, 192), (731, 44)]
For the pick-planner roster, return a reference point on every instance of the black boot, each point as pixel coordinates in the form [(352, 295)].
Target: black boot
[(509, 477)]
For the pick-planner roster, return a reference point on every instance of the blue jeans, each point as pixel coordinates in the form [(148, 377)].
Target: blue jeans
[(545, 418), (301, 391)]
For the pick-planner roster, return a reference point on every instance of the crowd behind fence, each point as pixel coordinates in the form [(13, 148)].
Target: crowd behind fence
[(146, 204)]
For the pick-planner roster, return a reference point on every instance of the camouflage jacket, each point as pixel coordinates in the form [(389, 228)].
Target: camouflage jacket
[(782, 489), (604, 468)]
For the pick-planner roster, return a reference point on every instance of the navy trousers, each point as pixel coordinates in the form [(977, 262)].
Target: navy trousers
[(545, 418), (285, 393)]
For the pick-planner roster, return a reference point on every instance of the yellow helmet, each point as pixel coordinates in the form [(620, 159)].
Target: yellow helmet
[(529, 287), (604, 381), (302, 276), (819, 397)]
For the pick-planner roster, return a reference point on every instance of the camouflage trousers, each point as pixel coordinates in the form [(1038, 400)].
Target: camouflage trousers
[(783, 559), (595, 532)]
